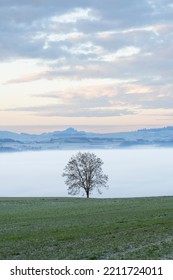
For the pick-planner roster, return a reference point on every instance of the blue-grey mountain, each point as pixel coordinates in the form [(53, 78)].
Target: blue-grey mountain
[(74, 139)]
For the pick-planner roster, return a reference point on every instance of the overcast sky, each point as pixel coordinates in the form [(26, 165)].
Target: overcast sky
[(85, 62)]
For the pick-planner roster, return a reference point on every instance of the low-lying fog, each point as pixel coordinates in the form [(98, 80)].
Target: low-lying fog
[(132, 172)]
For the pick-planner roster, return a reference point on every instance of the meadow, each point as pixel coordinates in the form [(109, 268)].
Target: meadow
[(80, 228)]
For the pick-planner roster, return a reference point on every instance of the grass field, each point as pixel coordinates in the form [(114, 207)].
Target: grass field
[(76, 228)]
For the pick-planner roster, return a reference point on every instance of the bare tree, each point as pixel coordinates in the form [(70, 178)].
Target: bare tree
[(84, 172)]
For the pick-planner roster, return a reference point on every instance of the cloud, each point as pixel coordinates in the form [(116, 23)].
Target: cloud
[(120, 98), (27, 78), (31, 28), (69, 111), (93, 40), (93, 101)]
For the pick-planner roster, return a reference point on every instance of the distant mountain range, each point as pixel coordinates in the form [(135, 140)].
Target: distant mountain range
[(74, 139)]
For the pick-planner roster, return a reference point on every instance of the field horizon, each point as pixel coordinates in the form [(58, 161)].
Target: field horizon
[(80, 228)]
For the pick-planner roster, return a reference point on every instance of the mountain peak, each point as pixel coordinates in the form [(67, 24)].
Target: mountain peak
[(70, 130)]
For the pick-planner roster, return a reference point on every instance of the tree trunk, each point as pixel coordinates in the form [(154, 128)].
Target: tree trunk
[(87, 193)]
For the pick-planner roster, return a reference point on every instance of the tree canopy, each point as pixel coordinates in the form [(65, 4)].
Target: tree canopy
[(84, 172)]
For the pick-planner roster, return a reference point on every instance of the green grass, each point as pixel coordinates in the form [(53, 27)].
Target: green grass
[(76, 228)]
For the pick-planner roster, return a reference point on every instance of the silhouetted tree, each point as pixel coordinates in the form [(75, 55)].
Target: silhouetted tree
[(84, 172)]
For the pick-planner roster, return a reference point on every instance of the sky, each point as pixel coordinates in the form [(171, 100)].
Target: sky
[(100, 64)]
